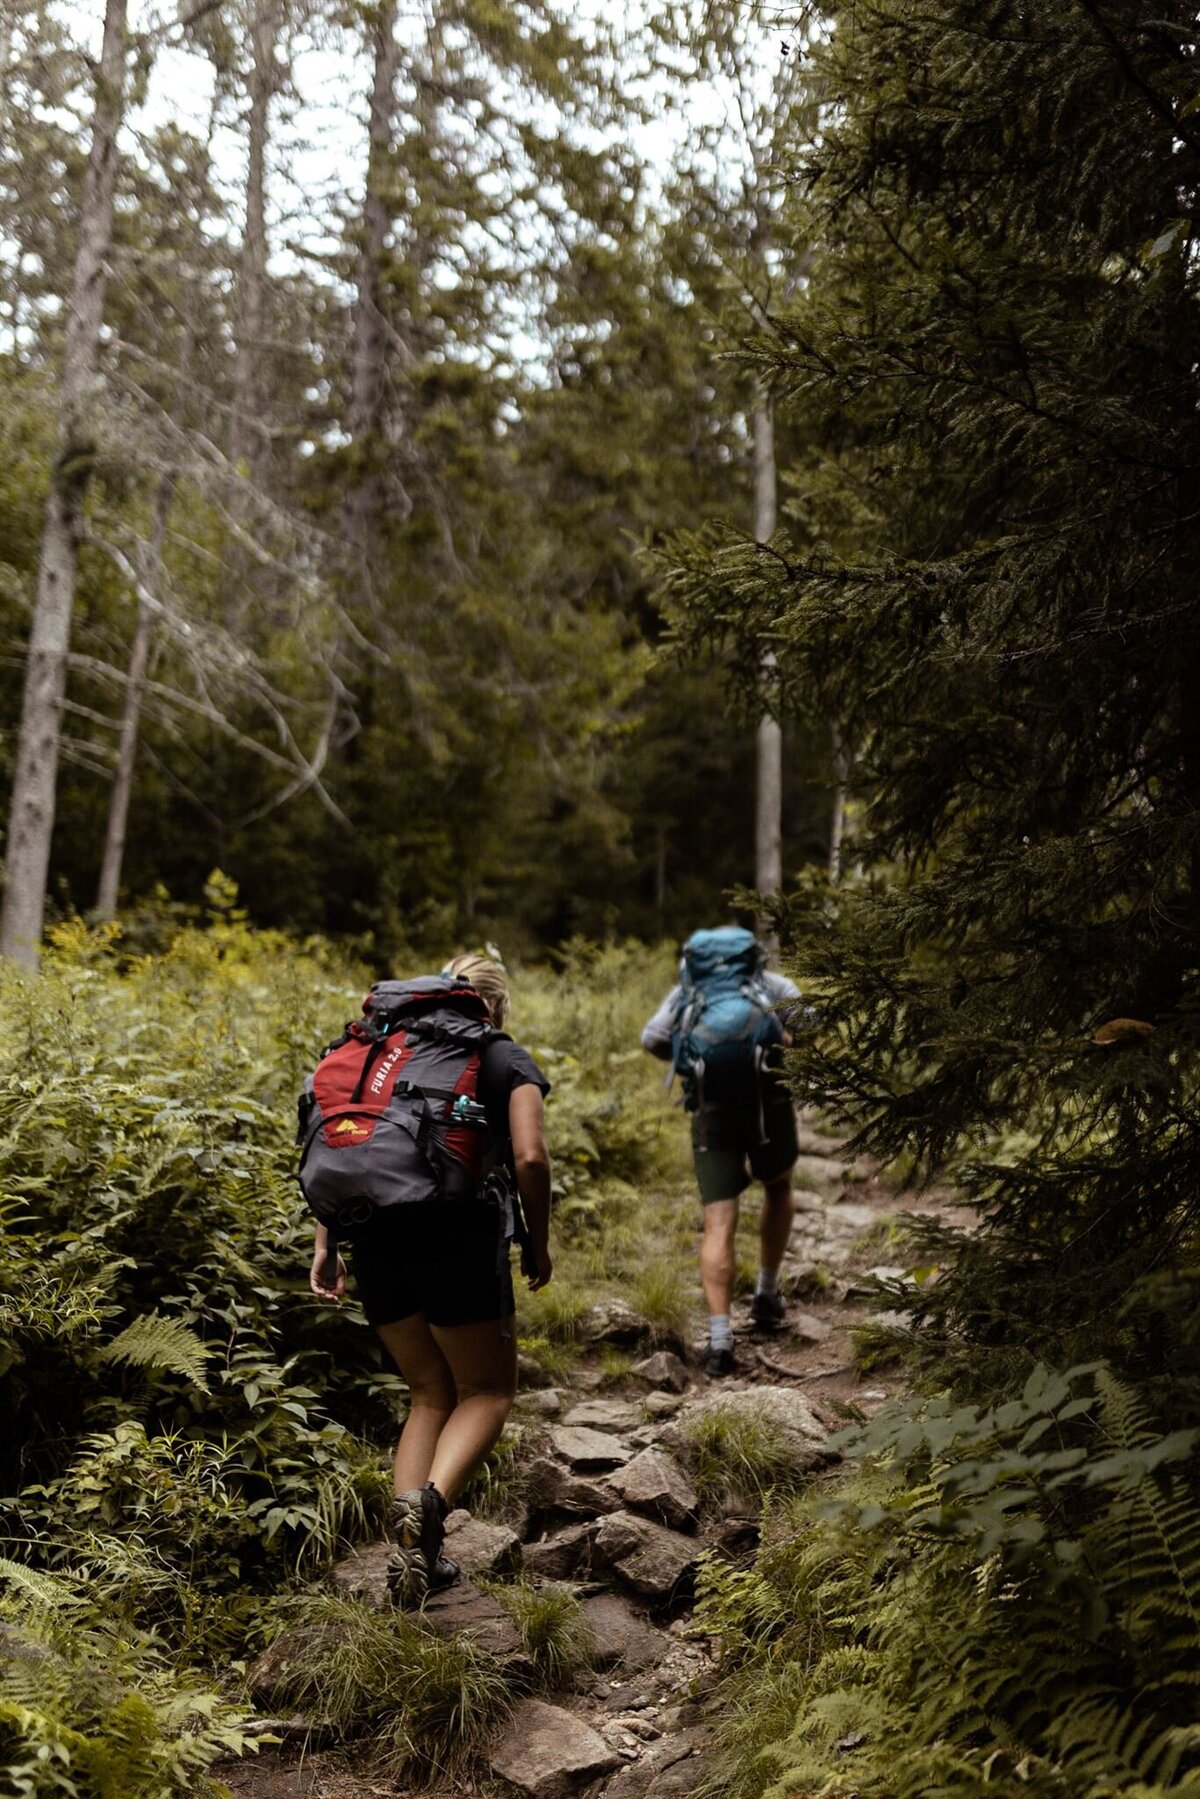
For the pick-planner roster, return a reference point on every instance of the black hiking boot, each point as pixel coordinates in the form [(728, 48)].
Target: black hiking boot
[(768, 1311), (445, 1572), (417, 1526), (718, 1363)]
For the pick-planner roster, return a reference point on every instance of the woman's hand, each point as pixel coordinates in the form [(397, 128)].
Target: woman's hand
[(536, 1266), (316, 1276)]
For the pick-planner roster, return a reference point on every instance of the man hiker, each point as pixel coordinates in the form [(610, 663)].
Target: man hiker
[(721, 1029)]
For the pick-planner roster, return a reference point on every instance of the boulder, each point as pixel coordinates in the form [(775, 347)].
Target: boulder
[(613, 1321), (604, 1414), (554, 1488), (549, 1753), (664, 1370), (662, 1405), (654, 1482), (851, 1218), (590, 1450), (482, 1548), (676, 1751), (565, 1553), (622, 1637), (463, 1607), (297, 1647), (654, 1561), (541, 1402), (786, 1413), (363, 1574), (820, 1174), (807, 1327)]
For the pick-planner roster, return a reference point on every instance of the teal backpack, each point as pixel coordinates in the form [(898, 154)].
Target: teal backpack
[(725, 1021)]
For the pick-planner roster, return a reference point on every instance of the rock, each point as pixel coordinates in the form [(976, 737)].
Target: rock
[(662, 1405), (787, 1414), (298, 1647), (565, 1553), (663, 1370), (604, 1414), (463, 1607), (363, 1574), (544, 1402), (679, 1781), (805, 1279), (548, 1752), (531, 1373), (814, 1142), (820, 1174), (651, 1559), (588, 1449), (613, 1321), (851, 1218), (623, 1638), (807, 1327), (482, 1548), (676, 1751), (654, 1482), (555, 1489)]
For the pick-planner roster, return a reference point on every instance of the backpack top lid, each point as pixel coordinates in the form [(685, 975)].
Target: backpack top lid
[(729, 948), (389, 1002)]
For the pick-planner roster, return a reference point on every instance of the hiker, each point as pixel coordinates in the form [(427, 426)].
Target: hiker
[(423, 1140), (721, 1030)]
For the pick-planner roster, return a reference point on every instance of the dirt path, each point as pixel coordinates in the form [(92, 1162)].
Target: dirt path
[(614, 1517)]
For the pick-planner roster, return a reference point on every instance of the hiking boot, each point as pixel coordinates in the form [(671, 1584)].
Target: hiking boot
[(419, 1532), (445, 1572), (768, 1311), (717, 1363)]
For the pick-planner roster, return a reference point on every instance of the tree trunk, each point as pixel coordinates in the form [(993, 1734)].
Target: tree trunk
[(368, 385), (31, 812), (131, 715), (837, 824), (245, 440), (768, 832)]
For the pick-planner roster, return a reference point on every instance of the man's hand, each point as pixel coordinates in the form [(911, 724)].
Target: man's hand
[(316, 1277)]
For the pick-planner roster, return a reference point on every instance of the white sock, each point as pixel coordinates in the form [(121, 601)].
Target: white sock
[(720, 1331), (768, 1280)]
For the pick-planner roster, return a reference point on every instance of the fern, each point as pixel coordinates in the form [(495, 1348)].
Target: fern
[(155, 1342)]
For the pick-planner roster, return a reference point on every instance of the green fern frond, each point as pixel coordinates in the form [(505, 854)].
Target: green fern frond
[(155, 1342), (47, 1590)]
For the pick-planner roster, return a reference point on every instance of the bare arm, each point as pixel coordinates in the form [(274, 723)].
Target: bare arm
[(531, 1163), (316, 1277)]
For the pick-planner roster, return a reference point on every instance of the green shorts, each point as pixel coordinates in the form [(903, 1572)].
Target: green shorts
[(730, 1151)]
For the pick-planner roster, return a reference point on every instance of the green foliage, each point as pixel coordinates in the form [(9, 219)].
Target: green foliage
[(90, 1711), (1005, 1595)]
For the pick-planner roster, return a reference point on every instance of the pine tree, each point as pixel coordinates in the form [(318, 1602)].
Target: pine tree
[(990, 587)]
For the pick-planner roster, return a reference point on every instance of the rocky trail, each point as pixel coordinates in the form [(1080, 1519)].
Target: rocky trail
[(614, 1517)]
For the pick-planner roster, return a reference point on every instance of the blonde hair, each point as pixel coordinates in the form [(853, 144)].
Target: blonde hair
[(489, 979)]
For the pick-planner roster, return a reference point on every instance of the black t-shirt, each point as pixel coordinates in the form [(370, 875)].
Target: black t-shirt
[(503, 1067)]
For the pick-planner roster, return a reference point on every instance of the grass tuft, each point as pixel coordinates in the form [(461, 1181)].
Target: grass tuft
[(556, 1635), (734, 1451)]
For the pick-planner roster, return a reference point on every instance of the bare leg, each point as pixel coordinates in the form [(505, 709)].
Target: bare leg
[(432, 1397), (775, 1225), (483, 1363), (717, 1254)]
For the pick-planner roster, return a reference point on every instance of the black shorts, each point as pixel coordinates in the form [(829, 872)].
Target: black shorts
[(443, 1260), (729, 1149)]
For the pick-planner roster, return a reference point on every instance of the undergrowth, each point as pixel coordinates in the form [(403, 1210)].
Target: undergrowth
[(184, 1430)]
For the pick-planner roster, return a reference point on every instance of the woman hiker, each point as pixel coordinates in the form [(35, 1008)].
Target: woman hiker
[(433, 1274)]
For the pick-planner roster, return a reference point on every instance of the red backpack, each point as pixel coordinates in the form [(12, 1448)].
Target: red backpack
[(390, 1115)]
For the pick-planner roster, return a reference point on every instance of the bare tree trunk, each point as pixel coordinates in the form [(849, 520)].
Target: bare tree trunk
[(131, 715), (768, 823), (837, 824), (31, 812), (245, 441), (369, 373)]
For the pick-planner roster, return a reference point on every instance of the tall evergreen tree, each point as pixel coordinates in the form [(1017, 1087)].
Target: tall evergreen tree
[(997, 361)]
